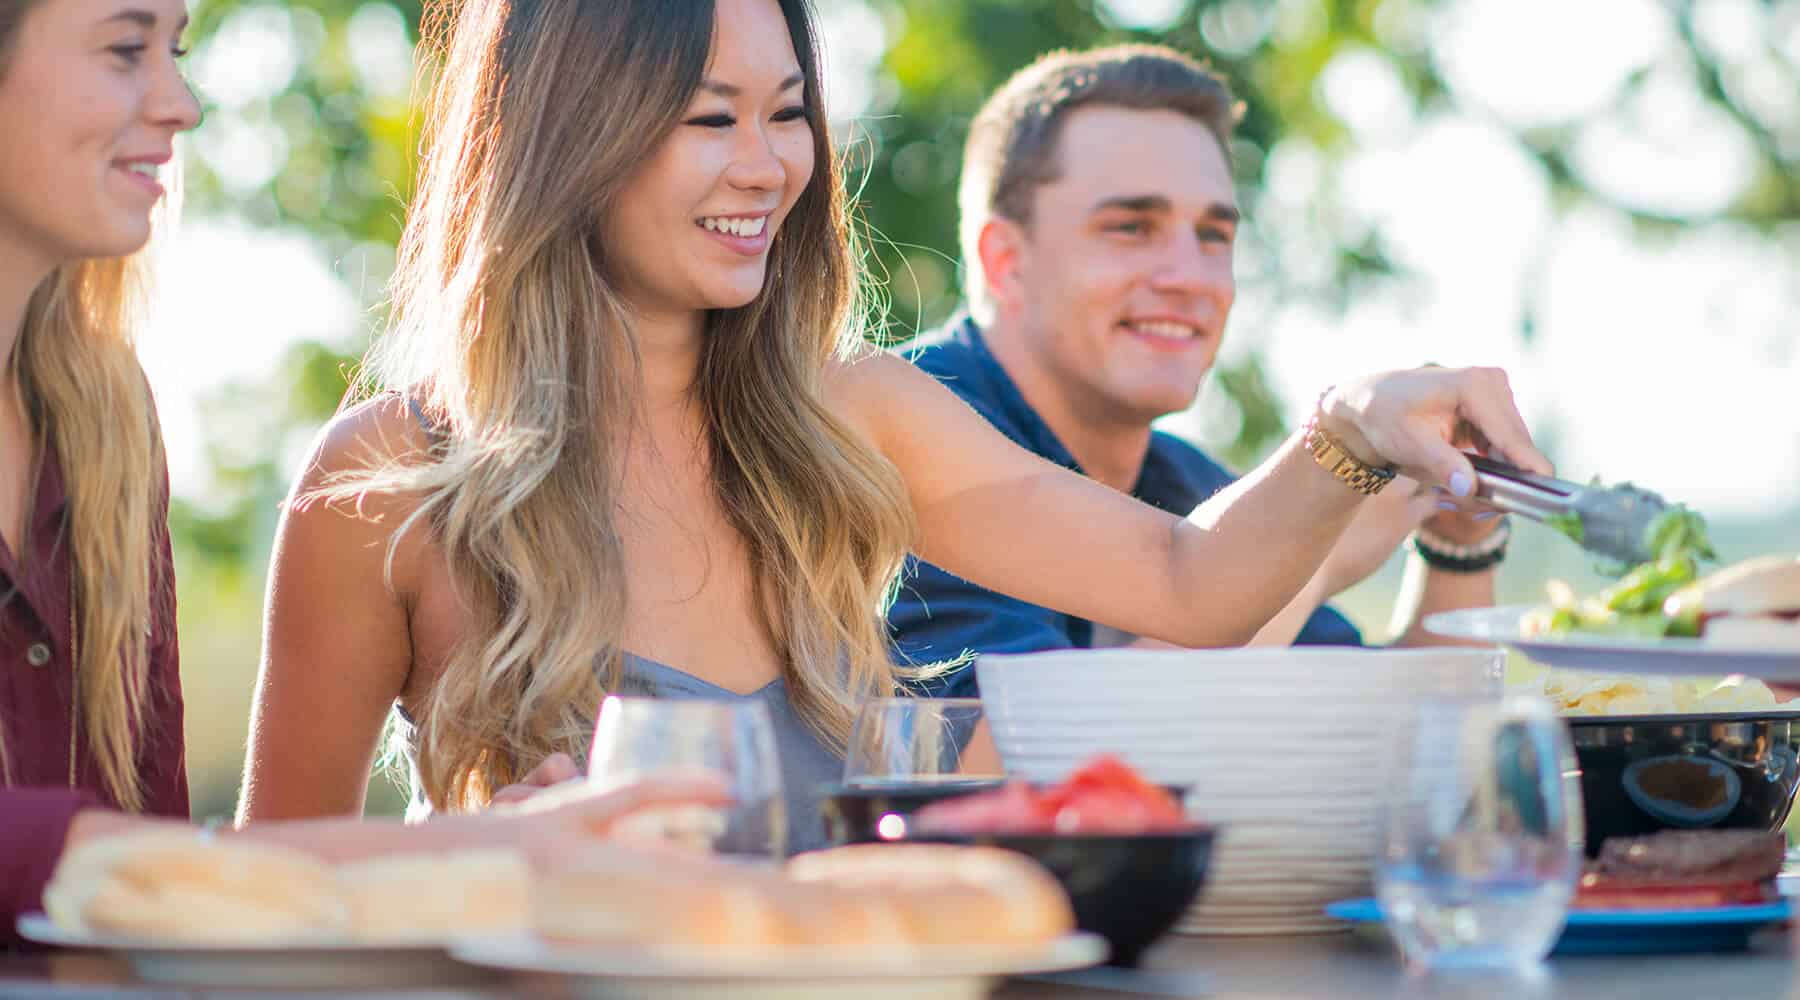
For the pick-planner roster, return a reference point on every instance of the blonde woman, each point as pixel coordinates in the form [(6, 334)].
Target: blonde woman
[(634, 443), (91, 100), (90, 701)]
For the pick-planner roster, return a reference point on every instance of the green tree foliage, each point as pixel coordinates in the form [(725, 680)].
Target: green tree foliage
[(347, 152)]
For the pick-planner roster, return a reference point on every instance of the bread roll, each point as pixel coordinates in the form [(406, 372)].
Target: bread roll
[(616, 895), (181, 886), (948, 895), (1762, 586), (883, 899), (840, 921), (432, 897)]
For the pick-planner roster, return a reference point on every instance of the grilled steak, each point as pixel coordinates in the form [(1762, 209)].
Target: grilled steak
[(1693, 856)]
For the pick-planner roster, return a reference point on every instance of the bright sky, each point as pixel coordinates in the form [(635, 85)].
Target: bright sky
[(1669, 364)]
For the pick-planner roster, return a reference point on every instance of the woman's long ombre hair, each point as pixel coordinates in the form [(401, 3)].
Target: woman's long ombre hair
[(91, 406), (511, 334)]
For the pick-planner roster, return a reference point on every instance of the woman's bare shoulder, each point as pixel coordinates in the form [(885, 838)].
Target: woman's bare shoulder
[(349, 500), (369, 435), (355, 470), (868, 388), (881, 393)]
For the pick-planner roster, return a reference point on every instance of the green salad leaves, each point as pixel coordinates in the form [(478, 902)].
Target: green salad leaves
[(1569, 524), (1633, 607)]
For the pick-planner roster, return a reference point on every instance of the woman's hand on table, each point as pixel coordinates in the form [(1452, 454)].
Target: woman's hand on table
[(554, 770), (551, 821)]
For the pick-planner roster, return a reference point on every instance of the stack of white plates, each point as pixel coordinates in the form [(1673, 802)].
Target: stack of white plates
[(1287, 750)]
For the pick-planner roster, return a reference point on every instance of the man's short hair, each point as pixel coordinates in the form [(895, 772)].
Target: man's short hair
[(1012, 144)]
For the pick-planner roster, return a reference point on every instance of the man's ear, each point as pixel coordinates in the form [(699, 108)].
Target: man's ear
[(1003, 248)]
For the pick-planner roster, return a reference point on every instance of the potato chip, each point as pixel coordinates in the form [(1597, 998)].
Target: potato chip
[(1633, 704), (1575, 693), (1735, 694)]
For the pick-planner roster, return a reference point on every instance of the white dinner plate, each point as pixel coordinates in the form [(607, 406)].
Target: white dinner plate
[(301, 964), (1676, 657), (637, 974)]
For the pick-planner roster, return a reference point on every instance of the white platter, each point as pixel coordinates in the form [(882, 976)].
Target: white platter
[(621, 974), (1679, 657), (307, 964)]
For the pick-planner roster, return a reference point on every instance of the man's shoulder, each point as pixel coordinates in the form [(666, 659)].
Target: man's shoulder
[(953, 350), (958, 358)]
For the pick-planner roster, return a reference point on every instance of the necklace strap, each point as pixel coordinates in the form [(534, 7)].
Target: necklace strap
[(74, 675)]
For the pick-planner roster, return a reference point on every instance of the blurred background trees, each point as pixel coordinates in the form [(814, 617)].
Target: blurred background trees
[(1674, 126)]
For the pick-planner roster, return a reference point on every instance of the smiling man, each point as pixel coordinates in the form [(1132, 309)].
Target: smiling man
[(1098, 222)]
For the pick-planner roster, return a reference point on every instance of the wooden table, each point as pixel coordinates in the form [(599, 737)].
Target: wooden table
[(1329, 967)]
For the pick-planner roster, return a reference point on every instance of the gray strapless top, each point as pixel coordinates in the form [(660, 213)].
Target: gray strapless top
[(808, 767)]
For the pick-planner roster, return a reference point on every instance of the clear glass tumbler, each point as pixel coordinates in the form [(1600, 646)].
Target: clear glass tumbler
[(638, 738), (914, 741), (1482, 835)]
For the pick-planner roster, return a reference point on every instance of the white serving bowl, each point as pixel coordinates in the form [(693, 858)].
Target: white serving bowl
[(1285, 749)]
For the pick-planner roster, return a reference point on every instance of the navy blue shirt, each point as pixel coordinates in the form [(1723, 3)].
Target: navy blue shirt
[(938, 616)]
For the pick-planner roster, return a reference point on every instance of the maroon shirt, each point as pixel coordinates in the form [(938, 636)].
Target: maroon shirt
[(35, 693)]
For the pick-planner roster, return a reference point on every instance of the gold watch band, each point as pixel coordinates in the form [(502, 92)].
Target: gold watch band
[(1353, 472)]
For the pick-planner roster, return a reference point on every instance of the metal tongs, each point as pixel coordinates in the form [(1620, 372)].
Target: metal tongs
[(1615, 520)]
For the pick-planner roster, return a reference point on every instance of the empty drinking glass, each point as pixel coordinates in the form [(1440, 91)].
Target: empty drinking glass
[(904, 754), (1482, 838), (637, 738), (913, 741)]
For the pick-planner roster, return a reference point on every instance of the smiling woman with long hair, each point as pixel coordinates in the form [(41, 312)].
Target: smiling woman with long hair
[(93, 99), (629, 438), (90, 702)]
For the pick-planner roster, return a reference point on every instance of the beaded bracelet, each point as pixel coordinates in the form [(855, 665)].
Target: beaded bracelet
[(1441, 553)]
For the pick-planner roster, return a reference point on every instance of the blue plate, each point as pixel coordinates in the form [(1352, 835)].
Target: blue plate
[(1633, 932)]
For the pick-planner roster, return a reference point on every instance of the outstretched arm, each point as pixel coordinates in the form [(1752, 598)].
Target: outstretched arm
[(997, 515)]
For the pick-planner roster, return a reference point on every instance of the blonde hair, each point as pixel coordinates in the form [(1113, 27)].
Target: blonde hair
[(510, 333), (86, 394), (79, 372)]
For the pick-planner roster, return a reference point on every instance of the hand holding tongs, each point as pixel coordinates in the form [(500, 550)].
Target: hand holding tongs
[(1615, 520)]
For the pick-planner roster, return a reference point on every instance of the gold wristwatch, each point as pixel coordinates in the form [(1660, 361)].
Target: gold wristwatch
[(1330, 453)]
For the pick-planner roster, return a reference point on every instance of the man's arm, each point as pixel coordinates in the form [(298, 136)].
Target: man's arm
[(1378, 529), (1381, 526), (1426, 590)]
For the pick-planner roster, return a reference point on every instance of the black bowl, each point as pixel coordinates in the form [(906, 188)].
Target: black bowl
[(1645, 773), (854, 814), (1127, 888), (876, 812)]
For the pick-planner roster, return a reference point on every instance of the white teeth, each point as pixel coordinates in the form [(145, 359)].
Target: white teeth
[(1174, 331), (735, 226), (142, 169)]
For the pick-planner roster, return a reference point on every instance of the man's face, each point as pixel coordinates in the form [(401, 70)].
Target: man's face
[(1123, 278)]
